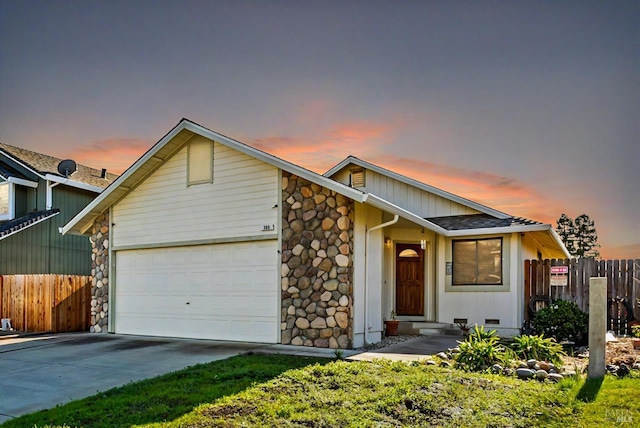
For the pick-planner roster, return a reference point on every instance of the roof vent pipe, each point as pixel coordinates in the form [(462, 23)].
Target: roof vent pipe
[(103, 174)]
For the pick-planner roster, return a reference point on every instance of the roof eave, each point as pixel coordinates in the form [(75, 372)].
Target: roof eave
[(73, 183), (504, 229), (415, 183), (22, 182), (29, 225)]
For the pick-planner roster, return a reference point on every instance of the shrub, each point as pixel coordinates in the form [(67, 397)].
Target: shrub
[(561, 320), (481, 350), (478, 333), (538, 348)]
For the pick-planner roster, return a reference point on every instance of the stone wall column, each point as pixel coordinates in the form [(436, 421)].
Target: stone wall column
[(317, 265), (100, 275)]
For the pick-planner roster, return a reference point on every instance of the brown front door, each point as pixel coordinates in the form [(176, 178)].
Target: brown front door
[(409, 279)]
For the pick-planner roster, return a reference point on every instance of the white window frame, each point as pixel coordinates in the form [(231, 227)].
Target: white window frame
[(10, 215)]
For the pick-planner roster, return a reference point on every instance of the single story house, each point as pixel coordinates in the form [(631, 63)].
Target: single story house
[(35, 200), (206, 237)]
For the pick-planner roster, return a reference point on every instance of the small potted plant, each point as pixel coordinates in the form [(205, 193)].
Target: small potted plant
[(464, 328), (635, 332), (391, 325)]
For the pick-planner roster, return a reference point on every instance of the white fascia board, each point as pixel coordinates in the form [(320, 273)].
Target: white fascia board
[(22, 182), (350, 192), (394, 209), (72, 183), (493, 230), (558, 240), (27, 227), (513, 229), (415, 183)]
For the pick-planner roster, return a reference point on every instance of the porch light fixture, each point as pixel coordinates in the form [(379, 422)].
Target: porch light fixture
[(423, 244), (387, 241)]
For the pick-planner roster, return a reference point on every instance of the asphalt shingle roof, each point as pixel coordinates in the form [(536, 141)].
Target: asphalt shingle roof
[(25, 221), (45, 164), (478, 221)]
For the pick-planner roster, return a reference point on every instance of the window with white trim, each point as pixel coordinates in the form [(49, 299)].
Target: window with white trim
[(6, 200), (200, 162), (477, 261)]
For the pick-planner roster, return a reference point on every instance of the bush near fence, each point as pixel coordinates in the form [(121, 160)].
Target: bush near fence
[(623, 287)]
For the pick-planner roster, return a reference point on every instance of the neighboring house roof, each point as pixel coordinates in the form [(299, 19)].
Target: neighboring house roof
[(46, 167), (165, 148), (7, 172), (352, 160), (19, 224)]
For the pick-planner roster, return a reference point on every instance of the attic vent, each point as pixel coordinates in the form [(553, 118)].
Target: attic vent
[(357, 178)]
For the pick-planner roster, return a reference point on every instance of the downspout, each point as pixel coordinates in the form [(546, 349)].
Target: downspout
[(49, 201), (366, 272)]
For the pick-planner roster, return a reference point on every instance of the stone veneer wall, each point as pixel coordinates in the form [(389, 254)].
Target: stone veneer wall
[(317, 265), (100, 275)]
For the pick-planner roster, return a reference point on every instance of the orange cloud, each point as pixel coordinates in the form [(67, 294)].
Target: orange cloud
[(614, 252), (321, 151), (115, 154)]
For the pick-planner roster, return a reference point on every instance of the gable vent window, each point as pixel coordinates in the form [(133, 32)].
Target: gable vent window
[(200, 162), (357, 178)]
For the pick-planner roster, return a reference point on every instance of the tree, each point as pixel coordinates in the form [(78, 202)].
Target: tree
[(566, 230), (579, 235)]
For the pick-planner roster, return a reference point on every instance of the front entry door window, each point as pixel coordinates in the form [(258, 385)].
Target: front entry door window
[(409, 279)]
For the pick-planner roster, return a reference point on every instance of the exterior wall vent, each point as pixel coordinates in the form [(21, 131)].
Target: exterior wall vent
[(460, 320), (492, 321), (357, 178)]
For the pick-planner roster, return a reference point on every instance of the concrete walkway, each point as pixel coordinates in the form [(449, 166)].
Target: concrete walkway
[(420, 348)]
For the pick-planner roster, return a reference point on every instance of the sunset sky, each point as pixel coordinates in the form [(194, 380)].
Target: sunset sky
[(530, 107)]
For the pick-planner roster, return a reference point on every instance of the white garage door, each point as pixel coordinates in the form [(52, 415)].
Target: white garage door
[(223, 292)]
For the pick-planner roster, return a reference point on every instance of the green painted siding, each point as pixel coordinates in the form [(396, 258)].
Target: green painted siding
[(22, 200), (40, 249)]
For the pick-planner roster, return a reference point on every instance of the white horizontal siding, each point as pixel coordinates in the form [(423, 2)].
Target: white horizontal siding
[(163, 209), (418, 201)]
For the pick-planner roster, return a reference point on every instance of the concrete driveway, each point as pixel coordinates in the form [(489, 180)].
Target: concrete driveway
[(40, 372)]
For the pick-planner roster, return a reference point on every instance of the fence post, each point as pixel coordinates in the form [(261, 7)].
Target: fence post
[(597, 326)]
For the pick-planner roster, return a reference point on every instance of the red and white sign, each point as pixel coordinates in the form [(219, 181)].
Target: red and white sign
[(559, 269)]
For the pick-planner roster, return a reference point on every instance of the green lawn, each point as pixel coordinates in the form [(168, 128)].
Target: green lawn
[(276, 390)]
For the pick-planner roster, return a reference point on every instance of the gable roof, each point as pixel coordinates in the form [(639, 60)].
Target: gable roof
[(46, 167), (352, 160), (164, 149), (488, 222), (11, 227)]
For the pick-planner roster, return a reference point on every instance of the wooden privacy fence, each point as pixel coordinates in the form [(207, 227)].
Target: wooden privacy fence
[(57, 303), (546, 280)]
